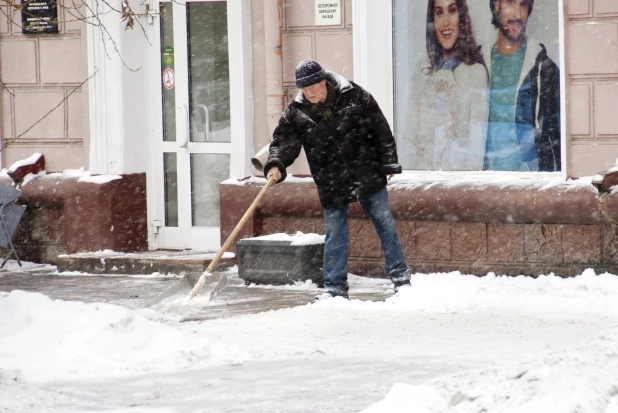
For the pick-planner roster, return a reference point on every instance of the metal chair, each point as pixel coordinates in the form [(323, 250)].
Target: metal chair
[(10, 216)]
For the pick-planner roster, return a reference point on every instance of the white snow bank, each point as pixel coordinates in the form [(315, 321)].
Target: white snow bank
[(357, 284), (587, 293), (60, 339), (582, 379), (17, 395)]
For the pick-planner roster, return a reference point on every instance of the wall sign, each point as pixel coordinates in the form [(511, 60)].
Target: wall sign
[(168, 55), (169, 78), (327, 13), (39, 16)]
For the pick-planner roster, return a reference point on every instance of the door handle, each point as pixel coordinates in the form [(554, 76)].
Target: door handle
[(183, 137), (206, 120)]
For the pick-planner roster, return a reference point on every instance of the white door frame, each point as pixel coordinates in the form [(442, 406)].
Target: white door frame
[(241, 116)]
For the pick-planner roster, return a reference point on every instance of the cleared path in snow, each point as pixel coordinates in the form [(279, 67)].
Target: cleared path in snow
[(335, 356)]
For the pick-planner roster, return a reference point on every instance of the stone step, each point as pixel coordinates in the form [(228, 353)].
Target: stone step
[(148, 262)]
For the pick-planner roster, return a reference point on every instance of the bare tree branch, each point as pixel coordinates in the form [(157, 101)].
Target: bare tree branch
[(104, 32), (5, 144), (6, 88)]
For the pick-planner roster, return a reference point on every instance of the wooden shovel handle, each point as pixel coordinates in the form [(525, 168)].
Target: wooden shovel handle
[(240, 224)]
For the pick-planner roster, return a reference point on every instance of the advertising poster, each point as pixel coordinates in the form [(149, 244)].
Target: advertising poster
[(477, 85)]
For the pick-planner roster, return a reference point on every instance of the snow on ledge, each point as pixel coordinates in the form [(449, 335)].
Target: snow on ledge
[(98, 179), (262, 181), (25, 162), (476, 180), (297, 239), (80, 174)]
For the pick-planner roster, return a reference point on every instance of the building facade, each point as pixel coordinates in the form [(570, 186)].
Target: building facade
[(182, 101)]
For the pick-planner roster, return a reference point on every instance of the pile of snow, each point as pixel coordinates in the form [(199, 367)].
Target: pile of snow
[(308, 239), (53, 339), (581, 379), (13, 266), (453, 292), (19, 396)]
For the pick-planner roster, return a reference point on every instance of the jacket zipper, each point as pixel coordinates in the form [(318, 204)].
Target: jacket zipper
[(335, 137), (345, 164)]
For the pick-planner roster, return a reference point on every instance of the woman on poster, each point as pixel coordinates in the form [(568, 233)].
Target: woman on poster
[(450, 105)]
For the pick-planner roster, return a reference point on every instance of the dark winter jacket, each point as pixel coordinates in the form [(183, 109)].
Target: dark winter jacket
[(538, 105), (349, 157)]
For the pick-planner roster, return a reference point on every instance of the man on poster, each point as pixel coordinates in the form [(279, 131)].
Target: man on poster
[(524, 108)]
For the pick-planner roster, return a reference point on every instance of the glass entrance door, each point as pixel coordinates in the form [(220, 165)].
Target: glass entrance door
[(195, 143)]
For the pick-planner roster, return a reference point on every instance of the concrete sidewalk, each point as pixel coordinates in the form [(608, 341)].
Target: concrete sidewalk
[(141, 292), (144, 262)]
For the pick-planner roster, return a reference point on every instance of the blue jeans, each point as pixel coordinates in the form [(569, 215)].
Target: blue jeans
[(378, 210)]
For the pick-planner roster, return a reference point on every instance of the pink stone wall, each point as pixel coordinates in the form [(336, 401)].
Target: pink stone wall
[(591, 50), (562, 229), (42, 74), (301, 39), (592, 85), (40, 71)]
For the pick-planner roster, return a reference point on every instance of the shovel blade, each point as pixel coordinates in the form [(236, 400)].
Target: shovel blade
[(180, 287), (222, 284)]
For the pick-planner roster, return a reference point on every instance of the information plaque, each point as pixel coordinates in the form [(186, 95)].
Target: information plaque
[(39, 16)]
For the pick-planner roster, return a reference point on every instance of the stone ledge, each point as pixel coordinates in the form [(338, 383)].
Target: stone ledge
[(512, 201), (518, 226), (88, 216), (162, 262)]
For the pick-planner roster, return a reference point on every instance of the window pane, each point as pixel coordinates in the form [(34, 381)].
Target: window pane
[(471, 97), (207, 172), (209, 78), (170, 172), (168, 72)]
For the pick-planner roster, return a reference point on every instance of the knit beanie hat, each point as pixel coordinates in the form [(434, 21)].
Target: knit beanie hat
[(309, 72)]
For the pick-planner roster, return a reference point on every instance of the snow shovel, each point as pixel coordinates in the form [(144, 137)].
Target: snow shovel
[(179, 287), (224, 281)]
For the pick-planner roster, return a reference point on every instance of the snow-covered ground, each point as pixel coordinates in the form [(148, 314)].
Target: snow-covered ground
[(451, 343)]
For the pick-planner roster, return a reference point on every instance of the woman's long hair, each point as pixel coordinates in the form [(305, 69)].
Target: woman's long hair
[(465, 48)]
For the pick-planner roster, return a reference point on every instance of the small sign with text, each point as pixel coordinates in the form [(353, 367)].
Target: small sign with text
[(327, 13), (39, 16)]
